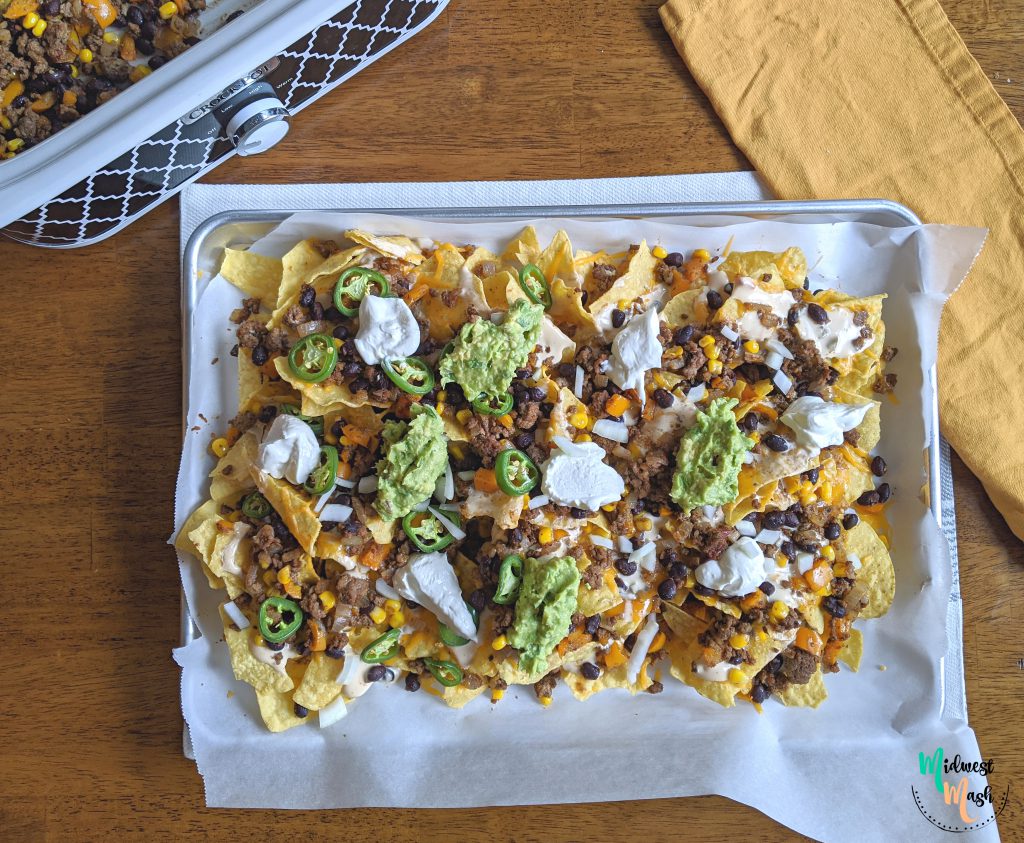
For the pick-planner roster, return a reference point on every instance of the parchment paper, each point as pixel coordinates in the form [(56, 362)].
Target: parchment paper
[(842, 772)]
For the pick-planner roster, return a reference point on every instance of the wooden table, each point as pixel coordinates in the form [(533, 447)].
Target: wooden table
[(91, 428)]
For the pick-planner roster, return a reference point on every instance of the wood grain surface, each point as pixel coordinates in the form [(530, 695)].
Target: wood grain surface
[(91, 430)]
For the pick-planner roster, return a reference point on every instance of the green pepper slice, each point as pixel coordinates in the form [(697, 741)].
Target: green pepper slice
[(254, 505), (313, 358), (510, 578), (428, 533), (410, 374), (277, 630), (516, 473), (535, 285), (383, 648), (323, 476), (485, 404), (354, 285), (450, 637), (316, 423), (448, 674)]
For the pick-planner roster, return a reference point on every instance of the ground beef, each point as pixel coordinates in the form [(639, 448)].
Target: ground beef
[(311, 605), (394, 269), (353, 591), (266, 540), (807, 369), (546, 686), (798, 666), (622, 520), (690, 364), (884, 384), (648, 471), (601, 559), (715, 639), (527, 415), (32, 127), (252, 582), (277, 342), (852, 436), (888, 352), (602, 275), (295, 315), (472, 681), (695, 531), (504, 616), (243, 421), (487, 436), (251, 333)]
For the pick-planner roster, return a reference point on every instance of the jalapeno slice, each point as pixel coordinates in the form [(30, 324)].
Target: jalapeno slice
[(254, 505), (450, 637), (289, 619), (427, 532), (448, 674), (383, 648), (354, 285), (510, 578), (516, 473), (313, 358), (493, 406), (410, 374), (323, 476), (535, 285), (316, 423)]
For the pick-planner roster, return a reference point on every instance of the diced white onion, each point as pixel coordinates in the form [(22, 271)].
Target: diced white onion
[(604, 366), (237, 615), (773, 360), (577, 387), (779, 348), (336, 512), (745, 528), (332, 712), (854, 559), (466, 475), (322, 500), (538, 502), (804, 562), (650, 561), (421, 506), (768, 537), (625, 545), (616, 431), (444, 489), (450, 525), (345, 484), (569, 447), (349, 668), (709, 511), (497, 316), (367, 484), (602, 541), (748, 457), (538, 374), (643, 643), (782, 381), (386, 590), (729, 333), (642, 551), (696, 393)]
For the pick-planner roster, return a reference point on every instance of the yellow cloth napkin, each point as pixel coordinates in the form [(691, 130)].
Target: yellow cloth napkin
[(881, 99)]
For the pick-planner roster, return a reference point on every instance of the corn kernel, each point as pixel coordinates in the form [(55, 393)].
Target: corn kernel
[(497, 694), (659, 252), (293, 589), (752, 346), (284, 575), (396, 620), (15, 145), (737, 676), (30, 20), (464, 416), (506, 421), (712, 352), (583, 437), (327, 600), (168, 10), (828, 552), (111, 37), (139, 72), (762, 635), (378, 614), (807, 498), (219, 447), (739, 641), (691, 580), (623, 304), (616, 405), (659, 380), (499, 643), (643, 523), (545, 701), (86, 55), (442, 395), (5, 124), (579, 420), (702, 254), (706, 340), (715, 367), (39, 29), (608, 507), (546, 535), (779, 610), (74, 72)]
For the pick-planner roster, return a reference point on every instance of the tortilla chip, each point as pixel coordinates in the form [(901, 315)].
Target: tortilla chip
[(295, 509), (278, 710), (321, 277), (458, 696), (209, 509), (382, 531), (319, 686), (522, 249), (637, 280), (505, 510), (231, 477), (556, 261), (567, 307), (302, 260), (682, 309), (496, 288), (787, 269), (813, 616), (617, 677), (247, 667), (255, 275), (876, 573), (772, 466), (318, 399), (204, 537), (810, 695), (596, 601), (564, 405), (853, 650), (394, 245)]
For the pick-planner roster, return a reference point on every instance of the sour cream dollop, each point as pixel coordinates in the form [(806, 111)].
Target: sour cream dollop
[(581, 478), (387, 330), (817, 423), (836, 338), (635, 350), (288, 450), (429, 579), (229, 555), (748, 292), (740, 570)]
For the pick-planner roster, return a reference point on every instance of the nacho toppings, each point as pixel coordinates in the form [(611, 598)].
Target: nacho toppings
[(604, 469)]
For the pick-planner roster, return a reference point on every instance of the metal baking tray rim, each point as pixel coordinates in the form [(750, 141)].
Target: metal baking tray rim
[(940, 488)]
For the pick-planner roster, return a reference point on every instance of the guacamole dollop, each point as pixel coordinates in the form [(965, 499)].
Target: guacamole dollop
[(414, 456), (709, 458), (547, 599), (484, 357)]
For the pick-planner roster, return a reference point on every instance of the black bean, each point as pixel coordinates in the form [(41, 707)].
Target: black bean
[(19, 101), (884, 492), (537, 393), (145, 46), (832, 531), (715, 299), (675, 259), (316, 312), (630, 641), (301, 710), (618, 318), (334, 652), (51, 8), (590, 670), (775, 665), (341, 333), (359, 385), (834, 607), (228, 19), (737, 659), (156, 62), (670, 557), (667, 589), (567, 370), (267, 413), (147, 30), (773, 520), (576, 512), (454, 394), (377, 377), (412, 682), (625, 567), (728, 288), (375, 673), (793, 316), (663, 398), (788, 549), (546, 408), (134, 15), (478, 599), (831, 376), (869, 498), (749, 422), (792, 520), (260, 355), (523, 441), (767, 588), (878, 467), (703, 590), (343, 499), (759, 693), (813, 474), (593, 624), (850, 520), (817, 313), (679, 571), (428, 346), (776, 442), (681, 336)]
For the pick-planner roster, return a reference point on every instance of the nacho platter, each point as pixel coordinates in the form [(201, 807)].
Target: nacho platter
[(252, 226)]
